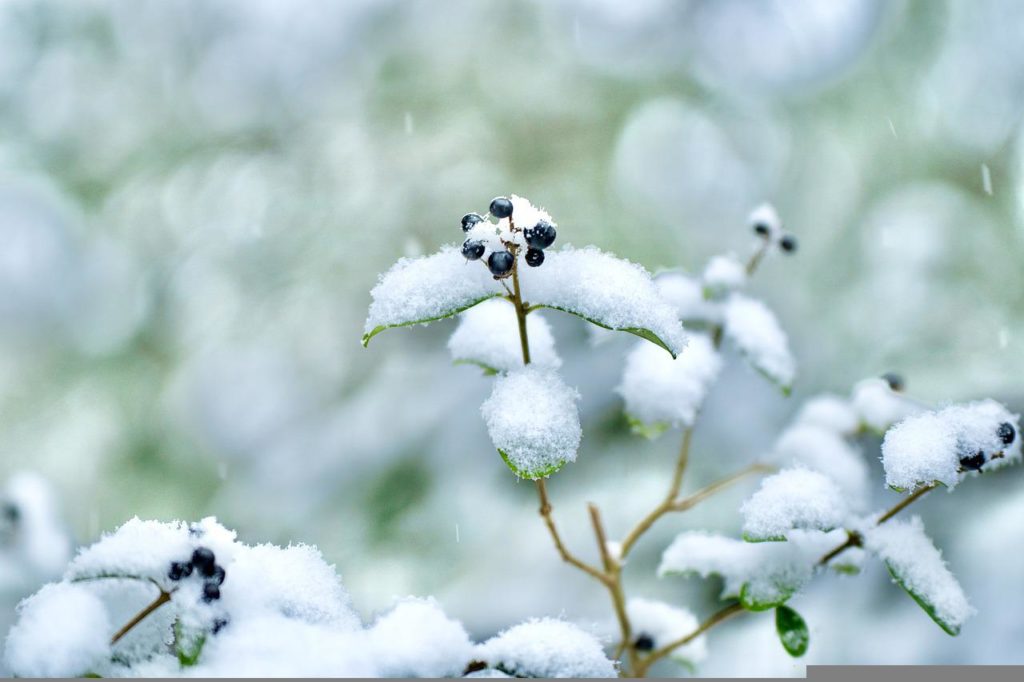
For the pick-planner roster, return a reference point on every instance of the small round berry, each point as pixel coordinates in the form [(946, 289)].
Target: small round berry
[(471, 219), (218, 575), (540, 236), (973, 462), (761, 229), (534, 257), (11, 513), (211, 592), (895, 381), (179, 570), (195, 530), (473, 249), (1006, 433), (204, 561), (219, 624), (501, 207), (644, 643), (500, 263), (788, 243)]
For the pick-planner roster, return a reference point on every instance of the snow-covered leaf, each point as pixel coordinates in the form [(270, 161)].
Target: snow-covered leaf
[(662, 624), (879, 407), (546, 648), (722, 275), (610, 292), (533, 421), (821, 449), (917, 566), (421, 290), (831, 412), (686, 296), (753, 328), (792, 631), (417, 639), (488, 336), (943, 445), (660, 391), (793, 498)]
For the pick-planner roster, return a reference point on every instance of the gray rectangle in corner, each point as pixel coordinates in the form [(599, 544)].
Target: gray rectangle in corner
[(915, 673)]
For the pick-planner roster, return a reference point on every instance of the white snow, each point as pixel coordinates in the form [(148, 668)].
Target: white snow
[(686, 295), (931, 446), (756, 332), (534, 421), (793, 498), (665, 624), (418, 290), (525, 215), (766, 214), (62, 631), (416, 639), (488, 335), (767, 572), (546, 648), (821, 449), (609, 291), (879, 407), (831, 412), (918, 566), (660, 390), (724, 274), (34, 543)]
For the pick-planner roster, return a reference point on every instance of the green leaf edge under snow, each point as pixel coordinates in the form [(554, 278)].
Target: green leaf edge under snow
[(650, 431), (531, 475), (792, 631), (750, 605), (427, 320), (948, 628), (642, 332), (487, 369)]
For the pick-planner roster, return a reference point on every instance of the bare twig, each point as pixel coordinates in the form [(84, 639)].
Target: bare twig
[(567, 556), (693, 499), (614, 583), (161, 599), (713, 620)]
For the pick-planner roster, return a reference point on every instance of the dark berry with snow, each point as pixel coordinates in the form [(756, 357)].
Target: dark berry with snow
[(643, 643), (788, 243), (762, 229), (211, 592), (204, 561), (500, 263), (540, 236), (973, 462), (1006, 433), (501, 207), (895, 381), (473, 249), (179, 570), (471, 219), (10, 512), (218, 575), (534, 257)]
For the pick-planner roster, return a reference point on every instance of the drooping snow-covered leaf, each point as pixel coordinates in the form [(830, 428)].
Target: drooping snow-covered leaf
[(663, 624), (662, 391), (917, 566), (610, 292), (821, 449), (792, 499), (546, 647), (755, 331), (792, 631), (533, 421), (488, 336), (945, 444), (421, 290)]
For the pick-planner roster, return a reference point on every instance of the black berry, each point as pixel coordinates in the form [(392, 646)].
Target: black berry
[(973, 462), (761, 229), (501, 207), (471, 219), (643, 643), (500, 263), (895, 381), (195, 531), (218, 575), (788, 243), (179, 570), (541, 235), (219, 625), (211, 592), (204, 561), (534, 257), (11, 513), (1006, 433), (473, 249)]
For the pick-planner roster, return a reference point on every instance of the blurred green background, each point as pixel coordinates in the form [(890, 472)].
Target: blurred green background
[(197, 196)]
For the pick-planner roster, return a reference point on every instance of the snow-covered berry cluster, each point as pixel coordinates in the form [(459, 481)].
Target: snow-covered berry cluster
[(765, 223), (204, 564), (519, 226)]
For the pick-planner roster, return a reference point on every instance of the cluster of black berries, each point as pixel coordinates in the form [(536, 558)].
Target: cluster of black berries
[(500, 263), (205, 564), (787, 242), (974, 462)]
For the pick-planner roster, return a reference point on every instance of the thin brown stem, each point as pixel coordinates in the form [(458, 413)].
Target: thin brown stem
[(614, 584), (524, 341), (756, 258), (161, 599), (567, 556), (693, 499), (713, 620)]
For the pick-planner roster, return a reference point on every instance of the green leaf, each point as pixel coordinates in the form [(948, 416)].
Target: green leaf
[(488, 370), (449, 312), (792, 631), (752, 603), (951, 629), (648, 431), (774, 538), (532, 475), (188, 646), (637, 331)]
